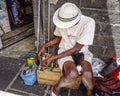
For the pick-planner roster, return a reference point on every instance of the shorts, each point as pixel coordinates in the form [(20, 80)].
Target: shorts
[(76, 58)]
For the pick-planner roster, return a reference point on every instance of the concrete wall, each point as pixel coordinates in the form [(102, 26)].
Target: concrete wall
[(4, 20), (107, 16)]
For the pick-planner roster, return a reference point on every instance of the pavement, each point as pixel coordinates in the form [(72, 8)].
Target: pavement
[(12, 61)]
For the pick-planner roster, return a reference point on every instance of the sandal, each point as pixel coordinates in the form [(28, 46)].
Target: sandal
[(51, 92), (18, 22)]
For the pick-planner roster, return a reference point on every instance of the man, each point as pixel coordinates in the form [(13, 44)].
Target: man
[(14, 8), (74, 32)]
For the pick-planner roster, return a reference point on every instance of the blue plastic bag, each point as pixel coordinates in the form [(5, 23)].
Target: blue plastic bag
[(29, 78)]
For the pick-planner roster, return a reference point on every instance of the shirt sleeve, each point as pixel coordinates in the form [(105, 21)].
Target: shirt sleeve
[(87, 35), (57, 32)]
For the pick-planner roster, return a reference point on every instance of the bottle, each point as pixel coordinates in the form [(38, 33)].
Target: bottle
[(28, 68), (50, 68), (31, 60)]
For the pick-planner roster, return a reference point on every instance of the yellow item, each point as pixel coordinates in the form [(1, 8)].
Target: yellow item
[(30, 60), (119, 76)]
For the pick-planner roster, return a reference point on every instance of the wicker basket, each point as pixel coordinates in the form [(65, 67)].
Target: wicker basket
[(52, 77)]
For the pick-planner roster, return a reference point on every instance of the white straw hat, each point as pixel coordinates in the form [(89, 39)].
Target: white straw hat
[(67, 15)]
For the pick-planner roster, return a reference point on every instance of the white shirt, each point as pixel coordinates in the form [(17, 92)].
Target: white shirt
[(82, 33)]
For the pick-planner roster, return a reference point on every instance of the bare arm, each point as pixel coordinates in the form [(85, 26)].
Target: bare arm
[(56, 40), (69, 52)]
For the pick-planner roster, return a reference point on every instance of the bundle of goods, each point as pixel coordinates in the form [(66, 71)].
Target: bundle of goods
[(28, 74), (52, 74), (110, 82)]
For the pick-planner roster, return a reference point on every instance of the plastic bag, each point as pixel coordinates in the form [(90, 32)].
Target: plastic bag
[(97, 66), (111, 66), (29, 78), (109, 84)]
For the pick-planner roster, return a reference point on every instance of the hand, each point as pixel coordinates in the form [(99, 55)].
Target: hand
[(42, 51), (48, 61)]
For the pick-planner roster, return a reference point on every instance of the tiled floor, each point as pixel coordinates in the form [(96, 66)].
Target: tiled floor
[(12, 61)]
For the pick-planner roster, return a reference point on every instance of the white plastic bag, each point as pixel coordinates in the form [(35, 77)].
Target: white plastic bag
[(97, 66)]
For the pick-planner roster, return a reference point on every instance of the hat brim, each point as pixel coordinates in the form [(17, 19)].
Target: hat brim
[(62, 24)]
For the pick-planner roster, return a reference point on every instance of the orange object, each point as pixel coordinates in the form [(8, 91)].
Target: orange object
[(119, 76), (31, 60), (116, 73)]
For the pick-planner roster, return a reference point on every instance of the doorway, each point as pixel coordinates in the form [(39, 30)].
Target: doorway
[(20, 13)]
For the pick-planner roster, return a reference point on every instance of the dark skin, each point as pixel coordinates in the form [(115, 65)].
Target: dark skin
[(69, 52), (71, 73)]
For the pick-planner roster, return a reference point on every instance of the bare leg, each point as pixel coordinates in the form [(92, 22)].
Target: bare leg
[(87, 77), (70, 75)]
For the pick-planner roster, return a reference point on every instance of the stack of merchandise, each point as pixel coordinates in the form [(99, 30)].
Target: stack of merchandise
[(28, 74)]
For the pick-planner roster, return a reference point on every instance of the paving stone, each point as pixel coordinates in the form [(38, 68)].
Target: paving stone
[(35, 89), (113, 5), (8, 69), (110, 52), (104, 41), (17, 92), (99, 16), (80, 92), (107, 30), (99, 4), (104, 29), (102, 16), (97, 51), (116, 31)]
